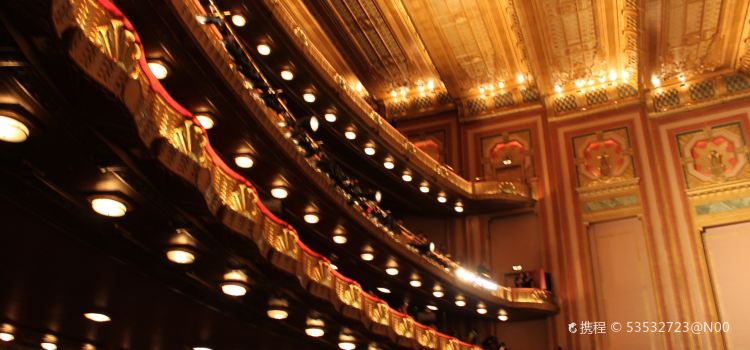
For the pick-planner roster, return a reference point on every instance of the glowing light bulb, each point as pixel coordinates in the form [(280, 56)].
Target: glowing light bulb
[(12, 130), (263, 49)]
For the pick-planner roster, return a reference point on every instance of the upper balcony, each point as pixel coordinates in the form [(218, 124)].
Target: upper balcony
[(353, 129)]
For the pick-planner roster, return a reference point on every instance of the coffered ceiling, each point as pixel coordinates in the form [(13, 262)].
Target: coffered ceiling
[(568, 56)]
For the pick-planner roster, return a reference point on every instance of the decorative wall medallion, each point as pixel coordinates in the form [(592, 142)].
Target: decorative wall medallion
[(603, 157), (713, 155), (507, 156), (119, 44)]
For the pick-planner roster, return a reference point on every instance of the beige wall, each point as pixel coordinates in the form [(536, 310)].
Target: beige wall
[(727, 252)]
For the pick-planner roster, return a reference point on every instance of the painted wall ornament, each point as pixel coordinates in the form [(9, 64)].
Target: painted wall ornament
[(713, 155), (603, 157)]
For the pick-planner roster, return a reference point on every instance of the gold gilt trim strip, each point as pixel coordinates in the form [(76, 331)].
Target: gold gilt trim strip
[(231, 198)]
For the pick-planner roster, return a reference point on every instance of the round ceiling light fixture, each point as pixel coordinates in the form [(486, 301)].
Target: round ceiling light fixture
[(278, 308), (368, 254), (12, 130), (315, 327), (158, 68), (460, 301), (239, 20), (424, 187), (330, 117), (458, 207), (441, 197), (350, 133), (97, 317), (279, 191), (311, 216), (263, 49), (235, 283), (109, 206), (244, 161), (287, 74), (407, 176), (339, 235), (369, 148), (389, 163), (205, 120), (437, 291), (502, 315)]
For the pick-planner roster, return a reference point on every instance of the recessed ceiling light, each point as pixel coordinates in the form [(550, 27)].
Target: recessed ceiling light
[(346, 342), (97, 317), (458, 207), (109, 207), (389, 163), (424, 187), (339, 236), (314, 123), (12, 130), (330, 117), (460, 301), (180, 255), (311, 217), (392, 271), (244, 161), (414, 281), (441, 197), (481, 309), (314, 327), (384, 290), (48, 346), (350, 134), (309, 97), (432, 307), (201, 348), (407, 176), (369, 148), (239, 20), (367, 254), (158, 69), (205, 120), (6, 337), (263, 49), (502, 315), (287, 74), (279, 192), (234, 283), (278, 309)]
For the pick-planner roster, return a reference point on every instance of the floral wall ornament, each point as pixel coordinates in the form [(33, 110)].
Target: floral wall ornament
[(603, 157), (714, 155)]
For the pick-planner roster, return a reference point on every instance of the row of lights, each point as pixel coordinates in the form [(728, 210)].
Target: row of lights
[(235, 282), (350, 132), (612, 76), (490, 88), (49, 342)]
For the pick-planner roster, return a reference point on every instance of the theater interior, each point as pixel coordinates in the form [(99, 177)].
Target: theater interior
[(374, 174)]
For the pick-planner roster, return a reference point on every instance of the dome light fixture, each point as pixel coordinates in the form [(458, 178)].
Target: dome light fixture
[(350, 133), (368, 254), (205, 120), (311, 216), (109, 206), (97, 317), (502, 315), (441, 197), (460, 301), (315, 327), (6, 334), (279, 191), (278, 308), (458, 207), (49, 342), (158, 68), (330, 117), (12, 130), (314, 123), (263, 49), (181, 255), (391, 268), (389, 163), (437, 291), (384, 290), (235, 283), (432, 307), (414, 281), (309, 96), (481, 308), (370, 148), (347, 341), (287, 74), (339, 235), (238, 20), (181, 248), (424, 187), (244, 161), (407, 176)]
